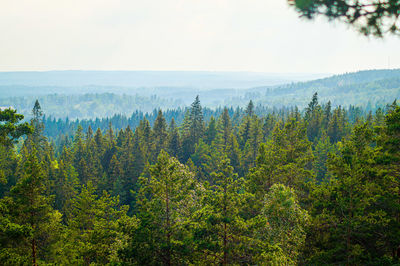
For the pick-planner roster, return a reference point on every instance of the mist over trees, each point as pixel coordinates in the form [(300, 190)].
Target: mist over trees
[(368, 89)]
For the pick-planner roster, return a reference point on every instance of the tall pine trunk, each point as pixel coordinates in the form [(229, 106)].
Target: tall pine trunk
[(33, 245)]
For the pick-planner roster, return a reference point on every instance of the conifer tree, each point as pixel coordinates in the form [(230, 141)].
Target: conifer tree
[(11, 128), (174, 141), (253, 142), (337, 127), (218, 234), (327, 115), (313, 118), (196, 120), (160, 133), (31, 210), (244, 131), (99, 141), (38, 126), (115, 178), (211, 131), (353, 213), (165, 201), (193, 128), (323, 148), (224, 129), (286, 159), (250, 109), (95, 230), (268, 127), (286, 223)]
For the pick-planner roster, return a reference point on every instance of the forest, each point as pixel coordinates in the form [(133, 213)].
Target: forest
[(245, 186), (105, 97)]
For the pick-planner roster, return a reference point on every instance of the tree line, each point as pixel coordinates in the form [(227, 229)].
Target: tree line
[(318, 186)]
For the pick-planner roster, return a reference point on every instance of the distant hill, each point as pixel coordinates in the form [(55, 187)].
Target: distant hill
[(130, 82), (89, 105), (370, 89), (358, 88)]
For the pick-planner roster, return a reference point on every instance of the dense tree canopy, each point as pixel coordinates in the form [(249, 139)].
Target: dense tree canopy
[(310, 187)]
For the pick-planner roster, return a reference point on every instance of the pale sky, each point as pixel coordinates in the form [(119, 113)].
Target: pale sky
[(217, 35)]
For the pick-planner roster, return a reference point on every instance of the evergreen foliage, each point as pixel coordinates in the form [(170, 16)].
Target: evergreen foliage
[(312, 187)]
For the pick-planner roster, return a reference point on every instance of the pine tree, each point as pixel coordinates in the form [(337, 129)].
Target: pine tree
[(66, 181), (286, 223), (31, 210), (95, 228), (286, 159), (10, 127), (354, 222), (219, 229), (10, 130), (165, 201)]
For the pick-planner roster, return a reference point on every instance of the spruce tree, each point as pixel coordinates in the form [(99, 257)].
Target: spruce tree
[(160, 133), (174, 141)]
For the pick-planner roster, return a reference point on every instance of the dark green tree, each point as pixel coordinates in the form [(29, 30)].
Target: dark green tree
[(371, 17), (165, 201), (174, 140), (31, 211), (96, 228), (10, 127), (160, 133), (219, 230)]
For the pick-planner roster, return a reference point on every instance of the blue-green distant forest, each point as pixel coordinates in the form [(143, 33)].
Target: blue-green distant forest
[(82, 98)]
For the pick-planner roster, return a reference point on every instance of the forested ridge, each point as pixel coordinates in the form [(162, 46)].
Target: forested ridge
[(368, 89), (252, 186)]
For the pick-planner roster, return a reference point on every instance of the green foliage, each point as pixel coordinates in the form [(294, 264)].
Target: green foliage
[(30, 217), (219, 230), (372, 17), (286, 222), (10, 129), (165, 201), (96, 228), (246, 196), (353, 210), (285, 159)]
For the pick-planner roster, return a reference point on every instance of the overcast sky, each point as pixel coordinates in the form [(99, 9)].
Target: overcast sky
[(226, 35)]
